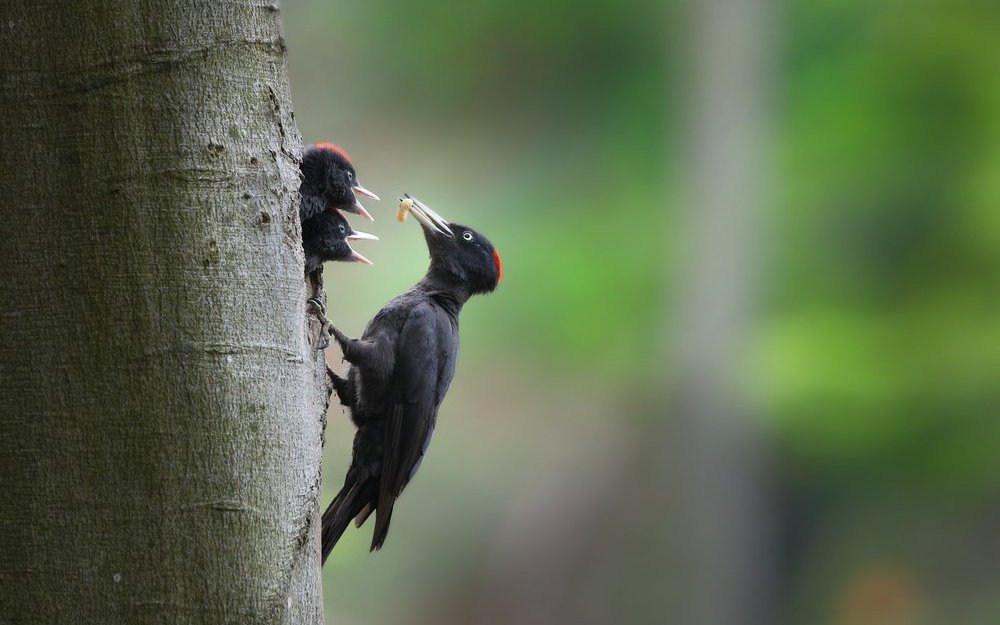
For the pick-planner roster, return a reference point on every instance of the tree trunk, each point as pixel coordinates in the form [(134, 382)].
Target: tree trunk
[(163, 406), (719, 445)]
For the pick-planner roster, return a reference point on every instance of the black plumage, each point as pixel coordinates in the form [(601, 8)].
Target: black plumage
[(327, 189), (330, 182), (400, 370), (325, 238)]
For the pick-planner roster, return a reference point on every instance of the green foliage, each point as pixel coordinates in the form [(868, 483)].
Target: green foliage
[(547, 125), (883, 323)]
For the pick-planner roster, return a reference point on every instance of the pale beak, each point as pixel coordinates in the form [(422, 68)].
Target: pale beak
[(359, 258), (428, 218), (365, 192), (361, 211), (362, 235)]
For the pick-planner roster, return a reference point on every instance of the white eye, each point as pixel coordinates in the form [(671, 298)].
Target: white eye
[(342, 229), (467, 236)]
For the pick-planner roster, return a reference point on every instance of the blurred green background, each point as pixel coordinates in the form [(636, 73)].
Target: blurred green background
[(843, 464)]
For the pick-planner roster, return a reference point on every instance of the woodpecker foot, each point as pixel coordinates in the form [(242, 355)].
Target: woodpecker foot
[(317, 282), (344, 389), (320, 311), (337, 334), (318, 308)]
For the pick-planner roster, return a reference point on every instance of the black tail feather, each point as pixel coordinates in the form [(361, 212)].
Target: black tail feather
[(381, 528), (344, 507), (387, 492)]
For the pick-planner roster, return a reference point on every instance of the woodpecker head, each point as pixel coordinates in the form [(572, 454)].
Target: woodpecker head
[(327, 237), (329, 170), (458, 253), (347, 233)]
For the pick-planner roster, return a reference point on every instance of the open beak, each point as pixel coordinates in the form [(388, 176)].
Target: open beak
[(357, 205), (358, 258), (365, 192), (428, 218), (357, 209), (362, 235)]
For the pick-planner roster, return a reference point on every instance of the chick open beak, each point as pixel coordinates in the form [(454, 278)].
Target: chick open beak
[(357, 209), (362, 235), (365, 192), (356, 257)]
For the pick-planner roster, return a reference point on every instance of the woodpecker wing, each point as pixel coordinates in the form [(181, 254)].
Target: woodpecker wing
[(424, 382), (425, 364)]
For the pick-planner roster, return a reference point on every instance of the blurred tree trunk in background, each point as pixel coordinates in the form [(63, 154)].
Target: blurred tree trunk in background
[(161, 404), (718, 446), (675, 525)]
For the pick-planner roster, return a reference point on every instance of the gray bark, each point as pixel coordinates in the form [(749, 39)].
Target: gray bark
[(162, 404)]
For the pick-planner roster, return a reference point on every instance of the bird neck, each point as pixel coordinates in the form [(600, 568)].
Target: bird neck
[(450, 295)]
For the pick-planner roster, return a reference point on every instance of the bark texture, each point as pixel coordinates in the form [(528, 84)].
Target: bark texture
[(162, 404)]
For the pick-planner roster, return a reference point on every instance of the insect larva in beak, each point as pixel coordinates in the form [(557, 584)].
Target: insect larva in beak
[(404, 209)]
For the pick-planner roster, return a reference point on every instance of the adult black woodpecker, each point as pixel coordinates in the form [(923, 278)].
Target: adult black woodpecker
[(401, 368), (330, 182), (325, 237)]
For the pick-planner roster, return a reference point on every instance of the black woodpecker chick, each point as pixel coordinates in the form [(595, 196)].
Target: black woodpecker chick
[(330, 182), (401, 368), (325, 237), (328, 187)]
